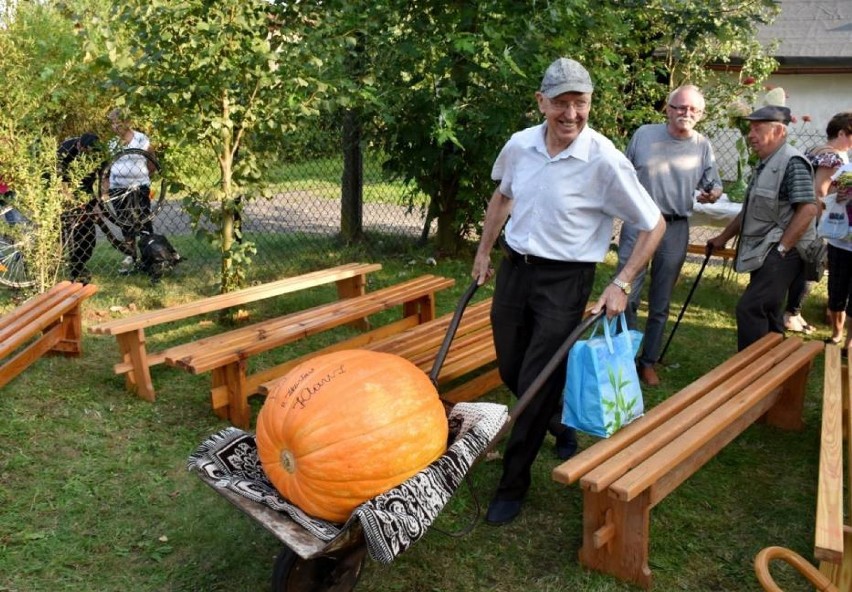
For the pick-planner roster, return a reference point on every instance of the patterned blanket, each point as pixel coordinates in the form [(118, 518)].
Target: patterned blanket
[(392, 521)]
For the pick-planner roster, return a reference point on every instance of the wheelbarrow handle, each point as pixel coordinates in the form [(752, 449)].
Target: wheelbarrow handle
[(451, 332), (533, 389)]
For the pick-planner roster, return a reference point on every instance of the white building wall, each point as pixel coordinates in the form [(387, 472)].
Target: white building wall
[(817, 95)]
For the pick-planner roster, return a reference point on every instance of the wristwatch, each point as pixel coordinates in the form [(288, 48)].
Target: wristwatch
[(625, 286), (782, 250)]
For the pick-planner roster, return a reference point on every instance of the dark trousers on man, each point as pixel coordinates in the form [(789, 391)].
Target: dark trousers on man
[(79, 237), (760, 308), (535, 308)]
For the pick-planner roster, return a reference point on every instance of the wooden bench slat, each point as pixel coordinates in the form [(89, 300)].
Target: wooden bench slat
[(475, 387), (574, 468), (29, 304), (47, 323), (605, 474), (22, 360), (39, 319), (236, 298), (828, 539), (255, 381), (34, 308), (700, 438), (240, 343)]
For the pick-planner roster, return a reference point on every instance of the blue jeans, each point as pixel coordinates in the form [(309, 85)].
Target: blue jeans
[(665, 269)]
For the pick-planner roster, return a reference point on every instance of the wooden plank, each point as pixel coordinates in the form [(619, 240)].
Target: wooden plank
[(242, 343), (33, 310), (573, 469), (29, 355), (828, 537), (254, 383), (38, 319), (620, 463), (30, 304), (237, 298), (695, 446), (701, 250), (474, 388), (286, 530)]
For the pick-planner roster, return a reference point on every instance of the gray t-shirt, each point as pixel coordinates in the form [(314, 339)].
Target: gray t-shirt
[(671, 169)]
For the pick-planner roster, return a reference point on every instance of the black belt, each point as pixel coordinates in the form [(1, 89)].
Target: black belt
[(673, 218), (521, 259)]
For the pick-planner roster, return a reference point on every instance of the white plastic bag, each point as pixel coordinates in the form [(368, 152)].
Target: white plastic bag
[(834, 222)]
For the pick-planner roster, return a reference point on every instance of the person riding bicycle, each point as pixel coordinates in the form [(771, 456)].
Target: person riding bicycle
[(78, 223), (129, 183)]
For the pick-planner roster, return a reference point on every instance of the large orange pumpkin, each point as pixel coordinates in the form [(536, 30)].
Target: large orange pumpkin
[(344, 427)]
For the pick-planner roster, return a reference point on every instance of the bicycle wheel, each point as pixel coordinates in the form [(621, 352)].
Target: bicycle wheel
[(132, 189), (13, 269)]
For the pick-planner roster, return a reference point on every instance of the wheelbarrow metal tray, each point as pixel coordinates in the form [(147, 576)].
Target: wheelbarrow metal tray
[(297, 538)]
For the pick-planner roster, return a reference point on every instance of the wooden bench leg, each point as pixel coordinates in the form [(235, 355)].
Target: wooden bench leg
[(137, 379), (69, 343), (423, 307), (233, 378), (787, 411), (349, 288), (616, 536)]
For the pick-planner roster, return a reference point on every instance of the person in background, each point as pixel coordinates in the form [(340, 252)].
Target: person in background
[(672, 161), (775, 225), (825, 160), (563, 184), (78, 224), (840, 268), (129, 182)]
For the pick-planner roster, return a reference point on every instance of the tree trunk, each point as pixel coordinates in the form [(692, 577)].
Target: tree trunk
[(352, 185)]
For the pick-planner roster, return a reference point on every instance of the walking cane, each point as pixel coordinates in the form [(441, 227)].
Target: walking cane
[(686, 303)]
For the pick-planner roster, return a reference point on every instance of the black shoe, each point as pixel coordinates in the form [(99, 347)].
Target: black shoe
[(503, 511), (566, 444)]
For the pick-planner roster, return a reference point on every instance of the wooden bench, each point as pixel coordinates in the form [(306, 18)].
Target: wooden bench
[(49, 323), (129, 332), (472, 349), (226, 355), (623, 477), (832, 537)]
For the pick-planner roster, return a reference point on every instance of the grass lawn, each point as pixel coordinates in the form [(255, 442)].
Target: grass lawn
[(95, 495)]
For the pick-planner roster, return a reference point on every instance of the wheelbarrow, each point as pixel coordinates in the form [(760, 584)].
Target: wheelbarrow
[(309, 563)]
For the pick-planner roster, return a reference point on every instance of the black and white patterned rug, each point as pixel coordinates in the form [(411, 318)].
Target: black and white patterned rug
[(392, 521)]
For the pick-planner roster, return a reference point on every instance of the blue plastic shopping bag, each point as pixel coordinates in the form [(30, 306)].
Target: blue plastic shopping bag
[(602, 392)]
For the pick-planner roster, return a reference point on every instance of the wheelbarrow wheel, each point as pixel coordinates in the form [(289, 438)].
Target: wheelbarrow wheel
[(331, 573)]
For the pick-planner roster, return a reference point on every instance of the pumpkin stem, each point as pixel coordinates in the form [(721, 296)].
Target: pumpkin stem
[(288, 461)]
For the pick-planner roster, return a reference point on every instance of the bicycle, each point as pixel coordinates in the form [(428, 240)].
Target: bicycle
[(120, 212), (13, 245)]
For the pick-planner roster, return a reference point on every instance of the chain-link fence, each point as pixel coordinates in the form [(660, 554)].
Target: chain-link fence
[(295, 216)]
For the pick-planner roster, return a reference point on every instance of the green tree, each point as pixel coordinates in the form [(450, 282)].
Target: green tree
[(449, 81), (50, 92), (209, 75)]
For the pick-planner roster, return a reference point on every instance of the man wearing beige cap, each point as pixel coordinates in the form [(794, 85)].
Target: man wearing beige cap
[(775, 225), (563, 184)]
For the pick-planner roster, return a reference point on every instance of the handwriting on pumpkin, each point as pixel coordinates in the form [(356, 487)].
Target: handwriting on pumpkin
[(310, 390)]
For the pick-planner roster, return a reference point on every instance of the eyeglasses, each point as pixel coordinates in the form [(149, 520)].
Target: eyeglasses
[(562, 106), (686, 109)]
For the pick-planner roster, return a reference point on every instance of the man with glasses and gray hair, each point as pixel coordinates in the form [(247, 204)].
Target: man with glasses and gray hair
[(673, 161), (563, 183), (776, 225)]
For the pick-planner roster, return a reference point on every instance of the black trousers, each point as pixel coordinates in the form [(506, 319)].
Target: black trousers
[(760, 308), (79, 235), (534, 310)]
